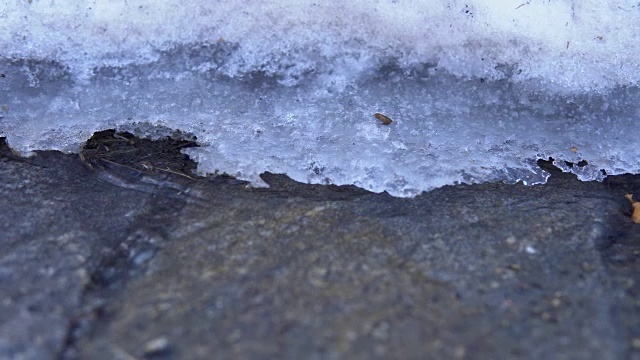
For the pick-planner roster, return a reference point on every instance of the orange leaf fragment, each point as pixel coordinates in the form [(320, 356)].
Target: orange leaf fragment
[(635, 216)]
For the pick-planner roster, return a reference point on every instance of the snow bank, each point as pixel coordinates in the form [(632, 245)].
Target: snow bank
[(478, 90)]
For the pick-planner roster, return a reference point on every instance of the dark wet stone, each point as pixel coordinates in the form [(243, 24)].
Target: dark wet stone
[(212, 269), (60, 227)]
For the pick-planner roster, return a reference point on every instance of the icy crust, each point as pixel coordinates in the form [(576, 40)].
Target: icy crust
[(567, 45), (446, 130)]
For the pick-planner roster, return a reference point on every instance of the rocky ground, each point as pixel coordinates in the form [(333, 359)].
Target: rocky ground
[(121, 253)]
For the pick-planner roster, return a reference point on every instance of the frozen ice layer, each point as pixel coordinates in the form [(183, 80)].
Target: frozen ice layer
[(477, 90)]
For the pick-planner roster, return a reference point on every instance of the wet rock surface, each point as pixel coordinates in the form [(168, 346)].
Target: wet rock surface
[(103, 258)]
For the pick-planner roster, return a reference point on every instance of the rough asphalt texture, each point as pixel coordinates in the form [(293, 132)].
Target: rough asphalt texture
[(166, 267)]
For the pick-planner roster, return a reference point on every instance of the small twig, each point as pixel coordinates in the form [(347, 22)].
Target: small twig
[(176, 173), (122, 165)]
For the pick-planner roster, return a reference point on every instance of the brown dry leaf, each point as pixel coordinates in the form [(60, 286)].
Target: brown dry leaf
[(383, 118)]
